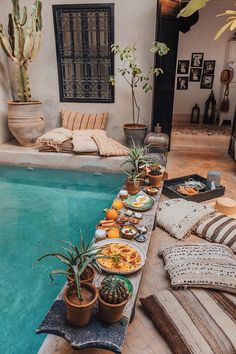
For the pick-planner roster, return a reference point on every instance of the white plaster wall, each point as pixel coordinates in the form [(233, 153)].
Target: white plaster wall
[(201, 39), (133, 19)]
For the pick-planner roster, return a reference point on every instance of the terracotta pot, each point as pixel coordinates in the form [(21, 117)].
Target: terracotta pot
[(155, 181), (110, 312), (137, 132), (26, 121), (71, 279), (132, 187), (80, 315)]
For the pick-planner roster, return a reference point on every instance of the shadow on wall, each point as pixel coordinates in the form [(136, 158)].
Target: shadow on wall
[(5, 95)]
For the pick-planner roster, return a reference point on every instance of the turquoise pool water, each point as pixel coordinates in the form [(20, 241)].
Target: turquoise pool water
[(37, 209)]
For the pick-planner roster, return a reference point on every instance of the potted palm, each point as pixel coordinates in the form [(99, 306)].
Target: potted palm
[(80, 296), (132, 182), (113, 296), (136, 77), (21, 45), (155, 174)]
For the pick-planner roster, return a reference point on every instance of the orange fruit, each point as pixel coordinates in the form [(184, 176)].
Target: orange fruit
[(111, 214), (117, 204), (113, 233)]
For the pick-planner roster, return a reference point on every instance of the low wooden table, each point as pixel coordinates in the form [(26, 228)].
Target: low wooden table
[(98, 334)]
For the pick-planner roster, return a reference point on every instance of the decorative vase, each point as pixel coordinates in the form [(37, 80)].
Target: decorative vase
[(110, 313), (79, 315), (157, 141), (155, 181), (26, 121), (135, 133)]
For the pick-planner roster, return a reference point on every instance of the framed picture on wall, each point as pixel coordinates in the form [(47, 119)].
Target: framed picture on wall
[(197, 60), (182, 82), (209, 67), (183, 67), (207, 81), (195, 74)]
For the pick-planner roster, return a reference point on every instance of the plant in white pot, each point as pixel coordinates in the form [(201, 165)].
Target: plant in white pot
[(136, 77), (21, 45)]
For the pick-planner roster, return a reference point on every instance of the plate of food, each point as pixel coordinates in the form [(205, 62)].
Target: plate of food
[(125, 257), (187, 190), (139, 202)]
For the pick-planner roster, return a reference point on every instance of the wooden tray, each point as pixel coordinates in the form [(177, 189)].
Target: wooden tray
[(170, 185)]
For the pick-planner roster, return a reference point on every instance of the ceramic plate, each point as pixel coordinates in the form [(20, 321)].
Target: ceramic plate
[(123, 242), (133, 202)]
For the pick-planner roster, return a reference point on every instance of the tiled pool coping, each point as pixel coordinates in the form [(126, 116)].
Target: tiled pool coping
[(13, 154)]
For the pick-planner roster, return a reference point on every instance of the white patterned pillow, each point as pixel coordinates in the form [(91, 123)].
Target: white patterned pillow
[(219, 228), (201, 265), (179, 216)]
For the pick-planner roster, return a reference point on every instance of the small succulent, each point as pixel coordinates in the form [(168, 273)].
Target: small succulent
[(155, 169), (113, 290)]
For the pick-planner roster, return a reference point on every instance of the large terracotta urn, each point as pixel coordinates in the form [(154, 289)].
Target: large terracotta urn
[(26, 121)]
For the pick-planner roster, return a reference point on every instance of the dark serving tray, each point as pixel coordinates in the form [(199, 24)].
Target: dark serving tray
[(170, 185)]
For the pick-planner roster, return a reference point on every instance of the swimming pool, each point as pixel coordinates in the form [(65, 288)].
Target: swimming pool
[(37, 209)]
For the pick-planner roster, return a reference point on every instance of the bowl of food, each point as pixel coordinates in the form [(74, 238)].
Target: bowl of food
[(128, 232)]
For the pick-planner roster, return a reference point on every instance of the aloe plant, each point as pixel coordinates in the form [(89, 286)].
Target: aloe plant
[(22, 43), (137, 158), (77, 258)]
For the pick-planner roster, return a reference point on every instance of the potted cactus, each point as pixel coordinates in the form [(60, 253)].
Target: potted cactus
[(80, 296), (155, 174), (113, 296), (25, 117)]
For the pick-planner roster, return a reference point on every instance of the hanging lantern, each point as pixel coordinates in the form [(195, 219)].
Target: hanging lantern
[(210, 110), (195, 114)]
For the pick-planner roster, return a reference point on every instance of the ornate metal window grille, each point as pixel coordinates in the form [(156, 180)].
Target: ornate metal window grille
[(84, 34)]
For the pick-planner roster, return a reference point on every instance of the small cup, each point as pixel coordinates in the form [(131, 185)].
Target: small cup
[(100, 235), (123, 194)]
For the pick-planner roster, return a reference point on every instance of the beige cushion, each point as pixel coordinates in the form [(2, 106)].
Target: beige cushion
[(201, 265), (82, 121), (83, 142), (179, 217), (109, 147), (219, 228), (194, 321)]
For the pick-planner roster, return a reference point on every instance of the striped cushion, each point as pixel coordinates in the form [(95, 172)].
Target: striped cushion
[(109, 147), (81, 121), (201, 265), (219, 228), (194, 321)]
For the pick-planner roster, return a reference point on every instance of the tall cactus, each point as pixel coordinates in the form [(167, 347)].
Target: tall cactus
[(22, 43)]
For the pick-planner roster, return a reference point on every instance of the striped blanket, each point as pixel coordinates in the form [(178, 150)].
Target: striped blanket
[(194, 321)]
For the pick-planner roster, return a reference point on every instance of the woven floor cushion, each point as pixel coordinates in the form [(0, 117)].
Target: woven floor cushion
[(194, 321), (200, 265), (219, 228), (81, 121), (179, 217)]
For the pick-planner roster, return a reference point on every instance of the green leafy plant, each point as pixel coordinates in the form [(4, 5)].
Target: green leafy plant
[(137, 158), (133, 176), (195, 5), (22, 44), (133, 74), (77, 258)]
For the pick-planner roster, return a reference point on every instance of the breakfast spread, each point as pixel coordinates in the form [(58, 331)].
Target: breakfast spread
[(122, 258)]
